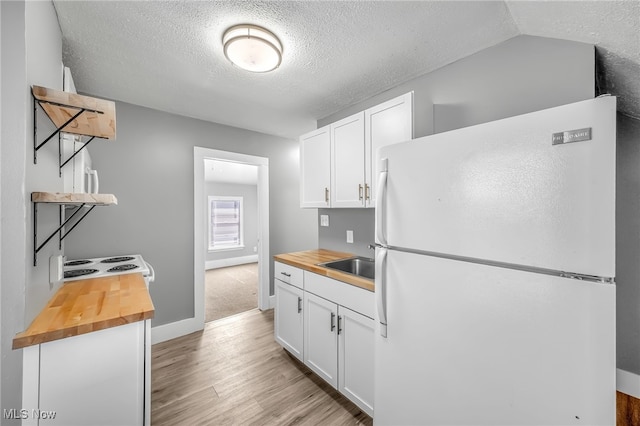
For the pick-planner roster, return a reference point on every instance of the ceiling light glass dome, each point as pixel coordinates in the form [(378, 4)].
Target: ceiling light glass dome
[(252, 48)]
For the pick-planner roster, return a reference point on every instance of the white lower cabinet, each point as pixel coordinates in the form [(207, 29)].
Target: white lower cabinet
[(338, 346), (321, 337), (96, 378), (289, 318), (328, 325), (355, 358)]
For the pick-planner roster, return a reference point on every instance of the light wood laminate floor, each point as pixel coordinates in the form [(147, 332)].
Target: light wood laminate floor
[(233, 372)]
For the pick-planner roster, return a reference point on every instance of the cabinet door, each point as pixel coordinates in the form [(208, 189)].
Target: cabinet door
[(347, 162), (288, 326), (95, 378), (385, 124), (315, 168), (355, 358), (321, 337)]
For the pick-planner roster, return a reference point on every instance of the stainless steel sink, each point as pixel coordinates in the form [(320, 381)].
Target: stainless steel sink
[(361, 266)]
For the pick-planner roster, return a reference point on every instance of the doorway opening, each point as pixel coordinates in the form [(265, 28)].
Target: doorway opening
[(231, 277), (231, 233)]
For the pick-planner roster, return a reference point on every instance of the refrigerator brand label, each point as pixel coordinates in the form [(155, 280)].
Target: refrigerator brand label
[(571, 136)]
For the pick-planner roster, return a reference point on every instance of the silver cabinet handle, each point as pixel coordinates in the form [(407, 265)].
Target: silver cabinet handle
[(339, 324), (367, 190), (360, 191), (285, 274), (326, 195), (299, 304), (333, 321)]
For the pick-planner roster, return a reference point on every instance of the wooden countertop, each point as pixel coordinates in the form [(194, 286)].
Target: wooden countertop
[(309, 260), (83, 306)]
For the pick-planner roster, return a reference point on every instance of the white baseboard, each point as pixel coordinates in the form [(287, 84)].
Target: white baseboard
[(628, 383), (233, 261), (172, 330)]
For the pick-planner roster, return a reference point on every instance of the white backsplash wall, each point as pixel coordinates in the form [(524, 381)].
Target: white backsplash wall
[(334, 237)]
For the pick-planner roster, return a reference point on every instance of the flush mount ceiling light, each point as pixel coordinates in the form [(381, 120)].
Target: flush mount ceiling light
[(252, 48)]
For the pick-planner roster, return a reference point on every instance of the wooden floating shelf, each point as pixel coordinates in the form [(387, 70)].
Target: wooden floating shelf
[(71, 198), (98, 118), (77, 200)]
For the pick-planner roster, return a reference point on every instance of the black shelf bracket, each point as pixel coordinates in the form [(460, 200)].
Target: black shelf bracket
[(37, 146), (61, 231)]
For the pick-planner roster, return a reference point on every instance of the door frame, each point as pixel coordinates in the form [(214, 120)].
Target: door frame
[(199, 229)]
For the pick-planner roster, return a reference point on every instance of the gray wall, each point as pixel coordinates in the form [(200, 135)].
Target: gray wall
[(1, 211), (149, 167), (360, 221), (628, 244), (515, 77), (31, 54), (249, 193), (12, 197)]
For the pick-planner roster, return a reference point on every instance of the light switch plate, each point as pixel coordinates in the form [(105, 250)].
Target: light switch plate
[(56, 269), (350, 236), (324, 220)]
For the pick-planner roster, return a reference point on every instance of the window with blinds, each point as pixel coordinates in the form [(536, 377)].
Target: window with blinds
[(225, 223)]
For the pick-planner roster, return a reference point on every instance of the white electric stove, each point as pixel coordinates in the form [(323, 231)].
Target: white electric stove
[(81, 269)]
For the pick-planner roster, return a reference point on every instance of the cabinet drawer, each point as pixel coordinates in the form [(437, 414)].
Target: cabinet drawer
[(289, 274), (347, 295)]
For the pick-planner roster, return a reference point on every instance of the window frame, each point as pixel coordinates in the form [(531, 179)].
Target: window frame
[(226, 247)]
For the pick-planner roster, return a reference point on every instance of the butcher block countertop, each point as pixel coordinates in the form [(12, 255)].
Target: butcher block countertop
[(83, 306), (309, 260)]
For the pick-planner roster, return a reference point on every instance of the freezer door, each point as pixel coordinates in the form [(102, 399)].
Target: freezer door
[(502, 191), (471, 344)]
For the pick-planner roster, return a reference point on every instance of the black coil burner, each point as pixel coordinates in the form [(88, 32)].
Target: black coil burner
[(77, 262), (125, 267), (117, 259), (79, 272)]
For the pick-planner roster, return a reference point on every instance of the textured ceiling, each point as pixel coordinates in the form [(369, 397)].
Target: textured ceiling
[(168, 56)]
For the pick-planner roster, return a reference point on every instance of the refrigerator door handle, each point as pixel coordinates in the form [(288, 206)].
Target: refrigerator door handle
[(381, 193), (381, 288)]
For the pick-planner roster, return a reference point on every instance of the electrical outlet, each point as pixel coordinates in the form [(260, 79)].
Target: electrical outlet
[(324, 220), (350, 237)]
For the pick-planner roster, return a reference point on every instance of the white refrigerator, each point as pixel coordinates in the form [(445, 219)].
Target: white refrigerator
[(495, 280)]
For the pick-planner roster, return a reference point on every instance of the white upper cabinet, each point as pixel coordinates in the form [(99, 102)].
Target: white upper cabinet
[(315, 168), (385, 124), (338, 162), (347, 162)]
